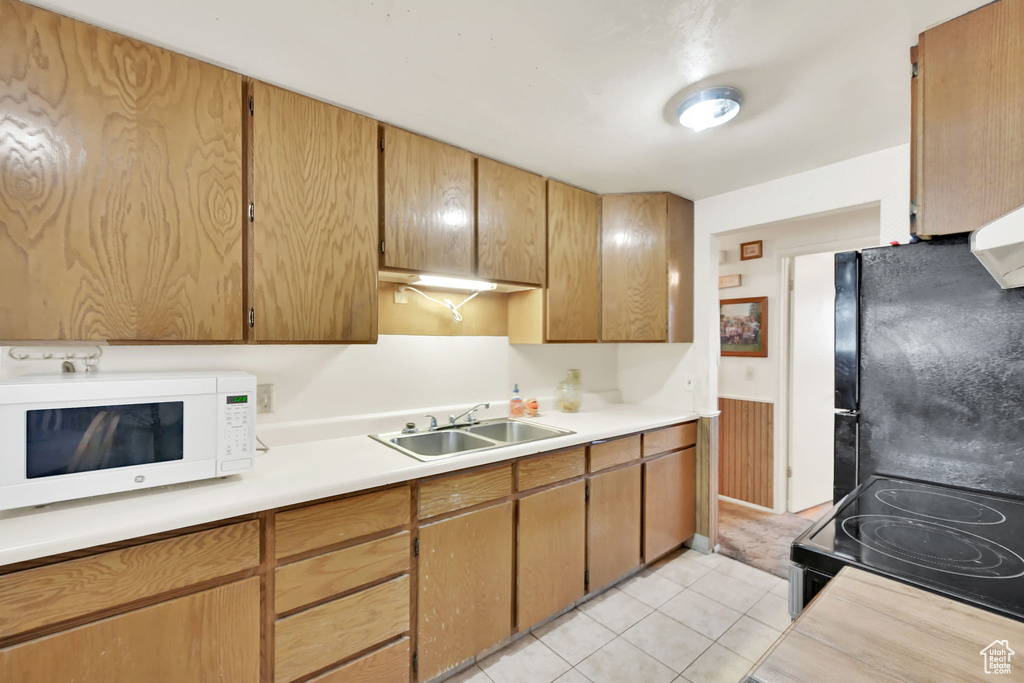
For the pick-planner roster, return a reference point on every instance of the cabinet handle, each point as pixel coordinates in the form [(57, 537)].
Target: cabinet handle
[(252, 317)]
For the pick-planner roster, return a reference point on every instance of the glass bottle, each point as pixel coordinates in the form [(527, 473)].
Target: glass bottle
[(569, 394)]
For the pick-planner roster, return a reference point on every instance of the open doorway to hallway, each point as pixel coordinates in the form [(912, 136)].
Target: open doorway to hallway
[(776, 427)]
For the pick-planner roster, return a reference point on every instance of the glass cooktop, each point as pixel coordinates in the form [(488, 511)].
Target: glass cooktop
[(966, 544)]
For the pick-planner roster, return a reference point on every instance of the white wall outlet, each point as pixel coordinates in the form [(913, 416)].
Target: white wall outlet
[(265, 398), (401, 296)]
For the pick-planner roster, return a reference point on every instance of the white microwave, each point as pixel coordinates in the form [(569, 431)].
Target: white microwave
[(79, 435)]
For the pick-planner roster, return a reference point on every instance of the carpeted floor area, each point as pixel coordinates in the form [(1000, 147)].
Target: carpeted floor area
[(760, 539)]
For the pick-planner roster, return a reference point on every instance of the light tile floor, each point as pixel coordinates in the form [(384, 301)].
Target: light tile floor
[(690, 617)]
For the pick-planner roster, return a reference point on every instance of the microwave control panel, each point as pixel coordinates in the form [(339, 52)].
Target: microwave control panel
[(238, 433)]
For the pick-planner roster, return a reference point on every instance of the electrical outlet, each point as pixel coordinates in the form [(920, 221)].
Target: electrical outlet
[(265, 398), (401, 296)]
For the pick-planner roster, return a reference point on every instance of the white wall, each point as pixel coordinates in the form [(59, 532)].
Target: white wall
[(656, 374), (758, 379), (397, 373)]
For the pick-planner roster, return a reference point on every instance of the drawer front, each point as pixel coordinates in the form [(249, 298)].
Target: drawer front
[(605, 454), (75, 588), (464, 490), (670, 439), (548, 469), (319, 526), (310, 640), (390, 664), (320, 577)]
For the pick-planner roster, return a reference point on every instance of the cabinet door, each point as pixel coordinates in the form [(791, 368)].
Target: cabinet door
[(634, 267), (613, 532), (121, 207), (670, 503), (429, 221), (209, 636), (573, 264), (970, 122), (552, 552), (315, 229), (511, 223), (465, 587)]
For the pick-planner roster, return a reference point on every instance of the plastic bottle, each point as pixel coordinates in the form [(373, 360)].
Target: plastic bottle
[(515, 405)]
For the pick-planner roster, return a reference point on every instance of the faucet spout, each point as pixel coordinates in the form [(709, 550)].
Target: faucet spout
[(453, 419)]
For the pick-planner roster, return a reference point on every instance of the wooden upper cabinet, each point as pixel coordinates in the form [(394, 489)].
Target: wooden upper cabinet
[(634, 267), (968, 127), (428, 223), (121, 199), (511, 223), (315, 230), (573, 294)]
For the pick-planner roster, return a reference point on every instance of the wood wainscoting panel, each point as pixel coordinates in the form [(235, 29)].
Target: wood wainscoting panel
[(707, 478), (747, 458), (59, 592)]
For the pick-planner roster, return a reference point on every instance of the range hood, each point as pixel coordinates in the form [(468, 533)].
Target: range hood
[(1000, 246)]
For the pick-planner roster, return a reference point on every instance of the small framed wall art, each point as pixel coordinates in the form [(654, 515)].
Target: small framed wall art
[(727, 281), (743, 327), (751, 250)]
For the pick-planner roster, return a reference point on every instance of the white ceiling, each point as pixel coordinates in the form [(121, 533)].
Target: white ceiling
[(579, 90)]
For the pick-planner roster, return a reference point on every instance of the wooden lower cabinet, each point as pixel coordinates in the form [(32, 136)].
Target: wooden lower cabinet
[(213, 635), (552, 552), (465, 587), (389, 664), (670, 503), (613, 533)]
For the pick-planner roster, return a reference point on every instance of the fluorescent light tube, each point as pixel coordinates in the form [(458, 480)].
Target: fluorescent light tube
[(455, 283)]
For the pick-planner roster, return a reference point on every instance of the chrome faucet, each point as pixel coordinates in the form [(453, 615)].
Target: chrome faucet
[(433, 422), (453, 419)]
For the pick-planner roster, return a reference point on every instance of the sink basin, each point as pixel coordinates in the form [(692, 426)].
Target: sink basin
[(513, 432), (441, 443)]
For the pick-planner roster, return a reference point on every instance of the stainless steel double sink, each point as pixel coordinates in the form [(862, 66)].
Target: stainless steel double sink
[(480, 436)]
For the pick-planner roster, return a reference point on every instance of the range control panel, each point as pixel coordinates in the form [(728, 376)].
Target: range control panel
[(237, 433)]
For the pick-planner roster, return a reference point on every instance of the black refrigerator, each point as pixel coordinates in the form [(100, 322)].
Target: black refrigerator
[(929, 369)]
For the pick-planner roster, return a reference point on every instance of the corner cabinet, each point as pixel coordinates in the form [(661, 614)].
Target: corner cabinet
[(967, 122), (429, 213), (121, 209), (646, 268), (315, 220)]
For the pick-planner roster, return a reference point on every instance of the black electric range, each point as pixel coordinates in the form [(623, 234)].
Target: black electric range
[(963, 544)]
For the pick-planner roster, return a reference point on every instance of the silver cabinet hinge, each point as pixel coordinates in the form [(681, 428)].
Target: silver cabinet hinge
[(415, 662), (382, 144), (416, 546), (252, 317), (382, 246), (250, 106), (913, 210), (586, 492), (913, 70), (586, 578), (252, 212)]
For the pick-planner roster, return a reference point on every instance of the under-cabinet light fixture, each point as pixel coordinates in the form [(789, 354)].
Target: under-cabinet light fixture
[(455, 283)]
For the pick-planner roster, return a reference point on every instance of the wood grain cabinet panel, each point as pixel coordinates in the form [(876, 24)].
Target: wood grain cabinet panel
[(315, 231), (320, 636), (389, 664), (573, 293), (605, 454), (121, 199), (670, 503), (969, 124), (67, 590), (670, 438), (634, 267), (458, 491), (613, 529), (552, 552), (465, 587), (213, 635), (511, 223), (318, 526), (429, 210), (308, 581), (551, 468)]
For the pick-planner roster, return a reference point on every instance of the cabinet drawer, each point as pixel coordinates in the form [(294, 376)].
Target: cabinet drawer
[(310, 640), (66, 590), (322, 576), (459, 491), (605, 454), (390, 664), (547, 469), (318, 526), (670, 439)]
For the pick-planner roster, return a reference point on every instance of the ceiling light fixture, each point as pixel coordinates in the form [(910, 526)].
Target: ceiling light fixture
[(455, 283), (709, 108)]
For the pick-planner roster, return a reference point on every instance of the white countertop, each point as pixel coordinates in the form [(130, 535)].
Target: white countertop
[(290, 474)]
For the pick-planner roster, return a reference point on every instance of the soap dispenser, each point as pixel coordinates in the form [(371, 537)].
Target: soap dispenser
[(515, 405)]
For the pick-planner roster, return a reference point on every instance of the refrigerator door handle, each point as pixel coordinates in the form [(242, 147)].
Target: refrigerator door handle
[(848, 413)]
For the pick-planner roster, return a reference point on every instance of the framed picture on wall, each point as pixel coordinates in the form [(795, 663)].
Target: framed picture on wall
[(751, 250), (743, 327)]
